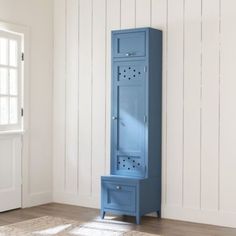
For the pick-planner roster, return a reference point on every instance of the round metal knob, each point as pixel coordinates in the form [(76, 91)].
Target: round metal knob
[(114, 118), (118, 187)]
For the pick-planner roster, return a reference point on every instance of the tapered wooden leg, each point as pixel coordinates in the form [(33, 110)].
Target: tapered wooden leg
[(103, 213), (158, 214), (138, 219)]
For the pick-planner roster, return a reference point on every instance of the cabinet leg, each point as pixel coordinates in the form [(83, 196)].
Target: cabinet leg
[(138, 220), (103, 213), (158, 214)]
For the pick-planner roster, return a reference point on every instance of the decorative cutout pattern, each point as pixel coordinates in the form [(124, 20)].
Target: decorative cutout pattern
[(129, 163), (130, 72)]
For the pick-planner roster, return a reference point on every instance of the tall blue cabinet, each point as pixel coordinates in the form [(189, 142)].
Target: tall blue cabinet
[(134, 185)]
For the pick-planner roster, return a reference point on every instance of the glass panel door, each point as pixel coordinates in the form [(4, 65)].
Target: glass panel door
[(10, 81)]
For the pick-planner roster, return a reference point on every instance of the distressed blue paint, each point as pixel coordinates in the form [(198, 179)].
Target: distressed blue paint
[(134, 186)]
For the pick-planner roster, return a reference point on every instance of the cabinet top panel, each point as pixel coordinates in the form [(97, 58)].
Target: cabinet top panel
[(134, 30)]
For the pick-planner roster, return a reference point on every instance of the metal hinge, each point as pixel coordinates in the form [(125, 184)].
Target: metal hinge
[(22, 56), (22, 112), (145, 119)]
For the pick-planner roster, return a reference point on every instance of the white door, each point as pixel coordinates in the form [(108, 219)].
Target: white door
[(10, 172), (10, 120)]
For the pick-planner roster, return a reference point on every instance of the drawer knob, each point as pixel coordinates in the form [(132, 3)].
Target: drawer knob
[(114, 118), (118, 187)]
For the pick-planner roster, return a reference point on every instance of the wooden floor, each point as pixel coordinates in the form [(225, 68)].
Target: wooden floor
[(153, 225)]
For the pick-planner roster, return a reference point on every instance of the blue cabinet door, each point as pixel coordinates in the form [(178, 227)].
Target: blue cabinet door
[(132, 44), (129, 118), (119, 196)]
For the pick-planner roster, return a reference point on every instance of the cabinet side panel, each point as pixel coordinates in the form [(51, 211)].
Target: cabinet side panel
[(155, 103), (150, 202)]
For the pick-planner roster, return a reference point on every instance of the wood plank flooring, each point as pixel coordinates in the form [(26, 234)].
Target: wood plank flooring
[(153, 225)]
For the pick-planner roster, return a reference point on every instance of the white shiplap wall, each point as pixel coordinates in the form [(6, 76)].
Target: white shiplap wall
[(199, 113)]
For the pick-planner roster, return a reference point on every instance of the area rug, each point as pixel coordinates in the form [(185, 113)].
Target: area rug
[(49, 225)]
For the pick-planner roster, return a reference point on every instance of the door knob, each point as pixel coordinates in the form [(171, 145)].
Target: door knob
[(118, 187), (114, 118)]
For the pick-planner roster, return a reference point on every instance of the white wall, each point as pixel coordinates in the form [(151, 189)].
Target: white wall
[(37, 17), (199, 96)]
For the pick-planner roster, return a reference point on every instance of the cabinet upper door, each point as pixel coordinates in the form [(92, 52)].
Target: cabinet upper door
[(129, 45)]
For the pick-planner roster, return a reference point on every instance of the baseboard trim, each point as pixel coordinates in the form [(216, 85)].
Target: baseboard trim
[(35, 199), (203, 216), (212, 217), (78, 200)]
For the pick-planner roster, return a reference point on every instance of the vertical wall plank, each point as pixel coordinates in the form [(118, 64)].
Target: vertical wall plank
[(143, 10), (71, 96), (98, 93), (59, 97), (113, 22), (158, 17), (127, 14), (85, 97), (192, 80), (175, 103), (210, 104), (159, 21), (228, 108)]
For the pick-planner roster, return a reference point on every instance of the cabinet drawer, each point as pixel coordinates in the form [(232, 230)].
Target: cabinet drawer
[(118, 196), (129, 44)]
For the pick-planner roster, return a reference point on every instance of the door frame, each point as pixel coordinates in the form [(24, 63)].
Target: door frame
[(24, 31)]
